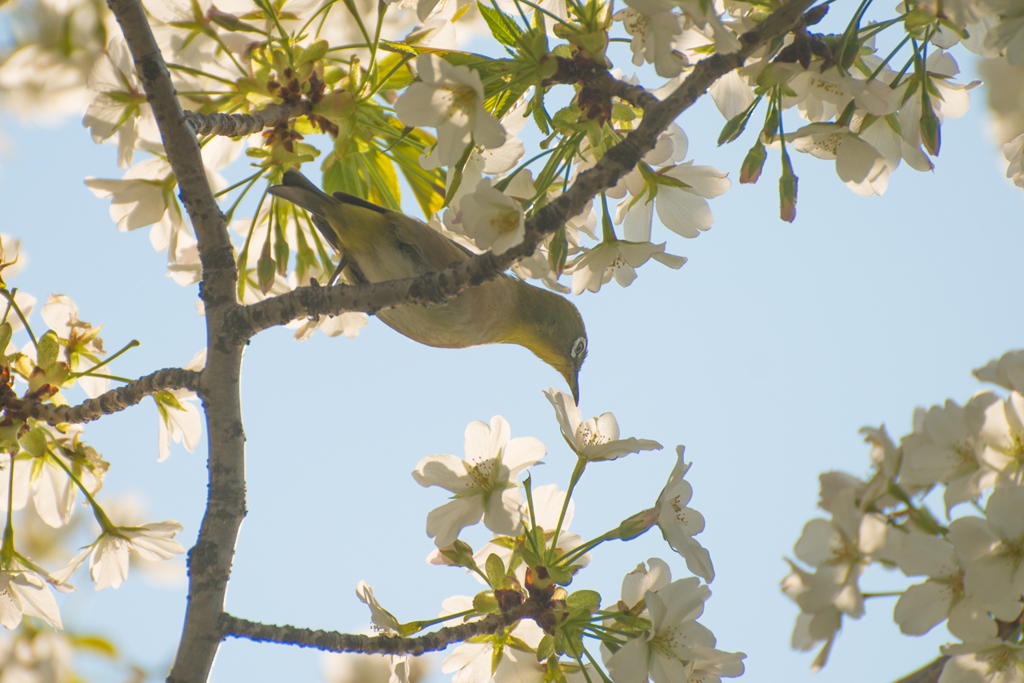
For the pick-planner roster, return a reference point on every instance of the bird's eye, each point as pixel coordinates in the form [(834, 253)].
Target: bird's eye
[(579, 347)]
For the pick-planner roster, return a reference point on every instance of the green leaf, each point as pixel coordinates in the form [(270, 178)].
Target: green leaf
[(167, 399), (917, 19), (313, 53), (400, 48), (460, 166), (623, 112), (399, 77), (572, 643), (584, 600), (494, 568), (545, 648), (931, 132), (631, 622), (485, 603), (734, 127), (502, 26), (95, 644), (49, 347), (338, 177), (427, 185), (540, 117), (560, 575), (34, 443), (664, 179), (5, 336), (503, 101), (381, 178)]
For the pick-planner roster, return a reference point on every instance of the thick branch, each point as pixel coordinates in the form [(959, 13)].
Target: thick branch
[(235, 125), (333, 641), (617, 162), (182, 149), (209, 561), (634, 94), (110, 402)]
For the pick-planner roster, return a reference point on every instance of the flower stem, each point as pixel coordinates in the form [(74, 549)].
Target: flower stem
[(130, 345), (7, 550), (577, 472), (106, 525), (9, 295)]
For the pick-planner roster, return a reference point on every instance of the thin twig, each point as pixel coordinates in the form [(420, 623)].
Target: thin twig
[(107, 403), (332, 641), (236, 125)]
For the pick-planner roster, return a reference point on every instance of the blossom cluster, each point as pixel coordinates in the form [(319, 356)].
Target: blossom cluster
[(51, 465), (398, 99), (532, 559), (400, 104), (972, 565)]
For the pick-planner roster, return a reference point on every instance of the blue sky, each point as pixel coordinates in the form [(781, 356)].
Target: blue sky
[(763, 355)]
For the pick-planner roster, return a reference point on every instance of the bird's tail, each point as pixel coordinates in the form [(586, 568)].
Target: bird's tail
[(297, 189)]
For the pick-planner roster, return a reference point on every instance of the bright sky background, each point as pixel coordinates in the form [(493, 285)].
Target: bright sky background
[(763, 355)]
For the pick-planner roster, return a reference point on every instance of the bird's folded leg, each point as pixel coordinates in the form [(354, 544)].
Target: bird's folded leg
[(342, 265)]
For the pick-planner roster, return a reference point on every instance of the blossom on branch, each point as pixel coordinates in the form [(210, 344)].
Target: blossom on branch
[(676, 647), (492, 219), (120, 103), (484, 483), (24, 591), (617, 259), (654, 28), (81, 341), (598, 437), (450, 99), (108, 554), (947, 446), (679, 524)]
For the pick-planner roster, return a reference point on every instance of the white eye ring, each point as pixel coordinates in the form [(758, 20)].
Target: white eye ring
[(579, 347)]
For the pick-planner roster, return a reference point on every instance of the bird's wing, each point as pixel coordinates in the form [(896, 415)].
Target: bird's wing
[(421, 242), (433, 247), (417, 239)]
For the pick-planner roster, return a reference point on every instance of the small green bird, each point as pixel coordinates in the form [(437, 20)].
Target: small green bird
[(377, 244)]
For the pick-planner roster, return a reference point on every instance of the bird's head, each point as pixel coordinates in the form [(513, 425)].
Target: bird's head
[(551, 327)]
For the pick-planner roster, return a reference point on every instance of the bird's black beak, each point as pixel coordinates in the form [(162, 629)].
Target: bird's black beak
[(573, 378)]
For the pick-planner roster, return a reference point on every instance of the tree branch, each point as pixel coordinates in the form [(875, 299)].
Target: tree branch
[(209, 561), (229, 326), (634, 94), (235, 125), (618, 161), (332, 641), (108, 403)]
